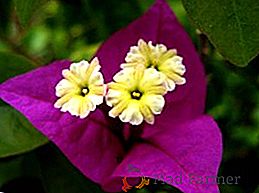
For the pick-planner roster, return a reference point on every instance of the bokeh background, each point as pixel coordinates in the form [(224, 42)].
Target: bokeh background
[(59, 29)]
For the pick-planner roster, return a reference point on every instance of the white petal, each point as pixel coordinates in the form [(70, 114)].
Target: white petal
[(132, 115), (79, 68), (113, 97), (160, 48), (65, 107), (175, 64), (84, 110), (84, 114), (74, 106), (96, 99), (57, 104), (64, 87), (111, 114), (96, 78), (91, 105), (137, 118), (97, 68), (151, 45), (84, 65), (64, 99), (124, 76), (181, 81), (151, 78), (155, 103), (170, 84), (141, 42), (178, 79)]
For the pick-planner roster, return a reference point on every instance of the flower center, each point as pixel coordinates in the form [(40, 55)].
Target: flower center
[(151, 65), (136, 94), (84, 91)]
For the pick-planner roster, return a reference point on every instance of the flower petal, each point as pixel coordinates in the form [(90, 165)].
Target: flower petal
[(64, 87), (189, 152), (132, 114), (155, 103), (87, 143), (160, 25)]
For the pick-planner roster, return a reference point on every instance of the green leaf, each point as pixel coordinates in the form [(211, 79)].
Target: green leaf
[(26, 9), (10, 169), (59, 176), (231, 25), (17, 134), (257, 190), (5, 15), (18, 166), (11, 65), (224, 188)]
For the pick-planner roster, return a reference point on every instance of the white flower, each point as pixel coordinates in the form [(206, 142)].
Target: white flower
[(164, 60), (81, 89), (136, 95)]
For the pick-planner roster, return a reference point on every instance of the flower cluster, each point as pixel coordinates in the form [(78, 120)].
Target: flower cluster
[(137, 91)]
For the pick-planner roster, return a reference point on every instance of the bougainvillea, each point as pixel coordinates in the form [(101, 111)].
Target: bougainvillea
[(182, 141)]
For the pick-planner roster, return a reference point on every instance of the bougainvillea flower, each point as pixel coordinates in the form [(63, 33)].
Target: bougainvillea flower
[(167, 62), (81, 89), (182, 142), (136, 95)]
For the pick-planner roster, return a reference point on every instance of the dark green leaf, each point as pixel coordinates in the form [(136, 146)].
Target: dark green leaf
[(4, 15), (59, 176), (17, 134), (231, 25), (257, 190), (26, 9), (11, 65), (224, 188), (21, 171), (10, 169)]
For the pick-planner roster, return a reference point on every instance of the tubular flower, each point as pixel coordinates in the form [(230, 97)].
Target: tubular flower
[(164, 60), (81, 89), (136, 95)]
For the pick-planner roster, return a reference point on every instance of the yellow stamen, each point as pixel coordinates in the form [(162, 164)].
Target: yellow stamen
[(136, 94)]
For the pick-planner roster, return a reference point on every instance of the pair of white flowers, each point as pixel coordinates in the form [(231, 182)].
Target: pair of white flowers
[(136, 93)]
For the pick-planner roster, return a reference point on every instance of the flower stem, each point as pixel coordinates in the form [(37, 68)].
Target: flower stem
[(135, 136), (117, 128)]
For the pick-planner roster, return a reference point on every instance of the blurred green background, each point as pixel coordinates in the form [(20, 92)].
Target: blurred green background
[(36, 32)]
